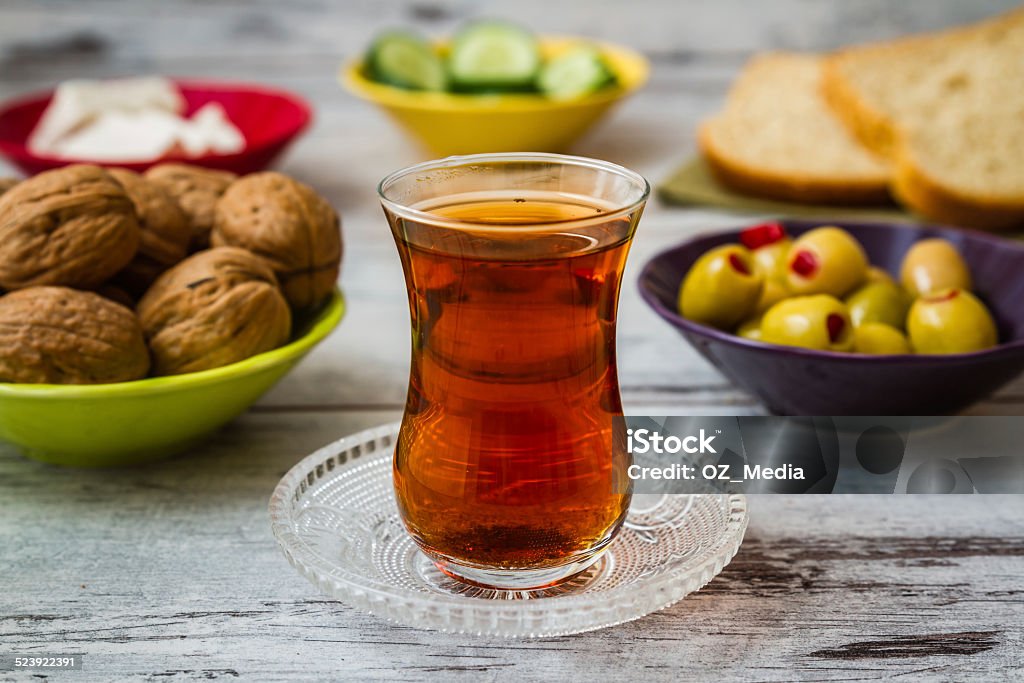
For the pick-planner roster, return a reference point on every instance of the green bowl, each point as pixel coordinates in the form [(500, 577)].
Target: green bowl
[(108, 425)]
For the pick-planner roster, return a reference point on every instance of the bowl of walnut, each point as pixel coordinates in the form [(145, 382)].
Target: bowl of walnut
[(139, 313)]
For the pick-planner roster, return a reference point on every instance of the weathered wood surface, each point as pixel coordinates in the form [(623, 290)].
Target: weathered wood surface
[(170, 572)]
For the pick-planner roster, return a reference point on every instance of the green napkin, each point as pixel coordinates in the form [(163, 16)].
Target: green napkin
[(693, 184)]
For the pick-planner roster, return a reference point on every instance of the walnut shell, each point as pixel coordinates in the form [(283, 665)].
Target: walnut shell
[(73, 226), (165, 235), (57, 335), (214, 308), (197, 190), (290, 225), (7, 183)]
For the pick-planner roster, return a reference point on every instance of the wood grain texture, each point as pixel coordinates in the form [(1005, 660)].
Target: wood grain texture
[(169, 572), (181, 579)]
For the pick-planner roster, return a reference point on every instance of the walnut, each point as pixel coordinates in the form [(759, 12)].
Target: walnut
[(197, 190), (74, 226), (216, 307), (288, 224), (165, 231), (57, 335), (7, 183)]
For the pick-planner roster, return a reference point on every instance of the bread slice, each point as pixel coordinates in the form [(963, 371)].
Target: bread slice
[(948, 110), (966, 170), (777, 138)]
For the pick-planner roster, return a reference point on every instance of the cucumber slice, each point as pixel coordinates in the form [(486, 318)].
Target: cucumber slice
[(405, 61), (578, 72), (494, 56)]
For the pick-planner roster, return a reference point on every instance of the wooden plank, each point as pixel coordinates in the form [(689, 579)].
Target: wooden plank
[(170, 571), (141, 31)]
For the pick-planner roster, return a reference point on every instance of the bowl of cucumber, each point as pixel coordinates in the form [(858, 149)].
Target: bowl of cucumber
[(494, 87)]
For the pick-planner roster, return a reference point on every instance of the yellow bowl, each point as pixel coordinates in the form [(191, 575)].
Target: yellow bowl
[(106, 425), (456, 123)]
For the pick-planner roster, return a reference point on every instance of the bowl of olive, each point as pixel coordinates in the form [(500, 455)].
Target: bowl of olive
[(849, 318)]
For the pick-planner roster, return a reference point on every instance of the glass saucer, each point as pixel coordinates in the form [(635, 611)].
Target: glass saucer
[(334, 515)]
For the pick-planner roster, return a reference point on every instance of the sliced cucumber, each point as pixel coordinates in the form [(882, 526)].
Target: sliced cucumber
[(494, 56), (578, 72), (405, 61)]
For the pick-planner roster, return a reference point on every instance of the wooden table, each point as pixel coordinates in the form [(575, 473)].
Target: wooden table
[(170, 572)]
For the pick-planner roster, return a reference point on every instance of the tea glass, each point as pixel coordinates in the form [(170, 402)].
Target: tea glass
[(508, 473)]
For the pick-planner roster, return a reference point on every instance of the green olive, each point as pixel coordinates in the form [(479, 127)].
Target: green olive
[(826, 260), (722, 287), (771, 259), (950, 321), (876, 274), (879, 302), (879, 339), (772, 293), (934, 264), (751, 329), (818, 322)]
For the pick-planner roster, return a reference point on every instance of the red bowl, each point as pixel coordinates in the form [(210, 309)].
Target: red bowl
[(268, 119)]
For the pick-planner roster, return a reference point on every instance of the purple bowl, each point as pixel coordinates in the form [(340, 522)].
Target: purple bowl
[(792, 381)]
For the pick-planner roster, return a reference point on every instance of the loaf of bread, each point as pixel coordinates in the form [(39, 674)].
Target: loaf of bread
[(948, 110), (777, 138)]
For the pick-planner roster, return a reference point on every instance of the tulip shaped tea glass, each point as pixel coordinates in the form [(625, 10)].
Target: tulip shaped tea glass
[(507, 471)]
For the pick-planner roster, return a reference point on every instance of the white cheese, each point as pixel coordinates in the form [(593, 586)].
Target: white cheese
[(122, 136), (210, 130), (76, 104), (139, 119)]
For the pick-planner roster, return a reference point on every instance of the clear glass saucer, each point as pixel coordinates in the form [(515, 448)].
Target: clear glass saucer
[(334, 515)]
